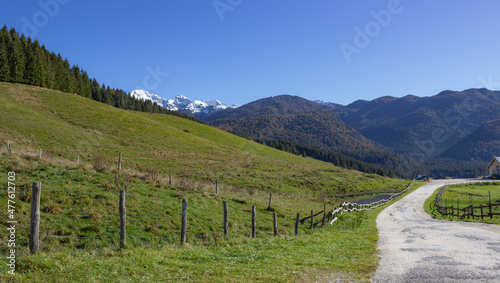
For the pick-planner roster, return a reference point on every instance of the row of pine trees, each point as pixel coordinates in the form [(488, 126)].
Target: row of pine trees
[(25, 61)]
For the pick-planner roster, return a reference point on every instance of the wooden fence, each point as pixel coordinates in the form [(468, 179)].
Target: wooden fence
[(350, 207), (327, 217), (454, 208)]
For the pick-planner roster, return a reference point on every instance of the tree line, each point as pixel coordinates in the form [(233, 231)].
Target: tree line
[(336, 158), (25, 61)]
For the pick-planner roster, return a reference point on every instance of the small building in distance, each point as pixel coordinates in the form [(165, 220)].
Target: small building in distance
[(494, 167)]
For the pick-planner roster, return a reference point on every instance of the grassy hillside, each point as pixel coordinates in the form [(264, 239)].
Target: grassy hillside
[(80, 202), (67, 125)]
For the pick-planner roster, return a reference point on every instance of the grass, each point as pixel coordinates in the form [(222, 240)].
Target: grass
[(66, 125), (345, 249), (79, 204), (480, 195)]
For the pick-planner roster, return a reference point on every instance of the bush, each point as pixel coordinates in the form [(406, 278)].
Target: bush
[(101, 163)]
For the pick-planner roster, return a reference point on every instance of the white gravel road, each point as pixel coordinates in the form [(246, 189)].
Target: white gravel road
[(416, 248)]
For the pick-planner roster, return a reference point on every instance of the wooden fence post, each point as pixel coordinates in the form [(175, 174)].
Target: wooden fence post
[(226, 221), (253, 222), (170, 177), (297, 224), (35, 217), (40, 153), (489, 204), (312, 219), (270, 200), (324, 215), (123, 220), (472, 206), (216, 187), (120, 162), (482, 215), (275, 224), (184, 221), (8, 148)]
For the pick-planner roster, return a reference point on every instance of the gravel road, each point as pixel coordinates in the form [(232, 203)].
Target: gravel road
[(416, 248)]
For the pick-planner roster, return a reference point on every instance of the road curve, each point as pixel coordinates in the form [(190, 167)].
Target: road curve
[(413, 247)]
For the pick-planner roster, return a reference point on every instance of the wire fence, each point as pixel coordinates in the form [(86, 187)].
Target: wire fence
[(107, 223), (142, 227)]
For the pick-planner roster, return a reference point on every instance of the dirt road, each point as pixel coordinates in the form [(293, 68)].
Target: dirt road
[(416, 248)]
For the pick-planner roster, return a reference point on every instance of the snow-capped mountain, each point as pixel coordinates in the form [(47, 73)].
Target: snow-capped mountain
[(331, 104), (183, 104), (145, 95)]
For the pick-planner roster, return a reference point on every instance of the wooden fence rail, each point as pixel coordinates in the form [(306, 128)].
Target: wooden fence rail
[(454, 210), (350, 206), (329, 217)]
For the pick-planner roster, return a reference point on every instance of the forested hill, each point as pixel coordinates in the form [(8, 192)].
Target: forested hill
[(433, 123), (271, 106), (482, 144), (317, 128), (309, 127), (25, 61)]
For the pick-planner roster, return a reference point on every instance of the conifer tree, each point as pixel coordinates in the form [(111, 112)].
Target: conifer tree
[(50, 76), (86, 88), (64, 75), (17, 57), (33, 74), (5, 41)]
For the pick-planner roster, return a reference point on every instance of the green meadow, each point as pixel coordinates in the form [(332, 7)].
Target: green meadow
[(480, 193), (79, 230)]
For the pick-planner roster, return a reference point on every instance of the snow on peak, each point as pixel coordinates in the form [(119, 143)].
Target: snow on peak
[(182, 103), (331, 104), (145, 95)]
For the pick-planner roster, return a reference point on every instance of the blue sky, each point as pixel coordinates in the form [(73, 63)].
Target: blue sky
[(238, 51)]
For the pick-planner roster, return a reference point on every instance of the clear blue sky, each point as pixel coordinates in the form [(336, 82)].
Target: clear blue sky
[(238, 51)]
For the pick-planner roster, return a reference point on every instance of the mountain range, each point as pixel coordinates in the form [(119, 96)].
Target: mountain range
[(452, 125), (183, 104), (423, 125)]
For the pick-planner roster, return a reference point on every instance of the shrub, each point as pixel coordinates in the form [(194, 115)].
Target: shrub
[(101, 163)]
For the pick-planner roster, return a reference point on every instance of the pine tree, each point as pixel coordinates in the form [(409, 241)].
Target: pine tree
[(76, 80), (17, 57), (5, 42), (33, 74), (86, 88), (63, 75)]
